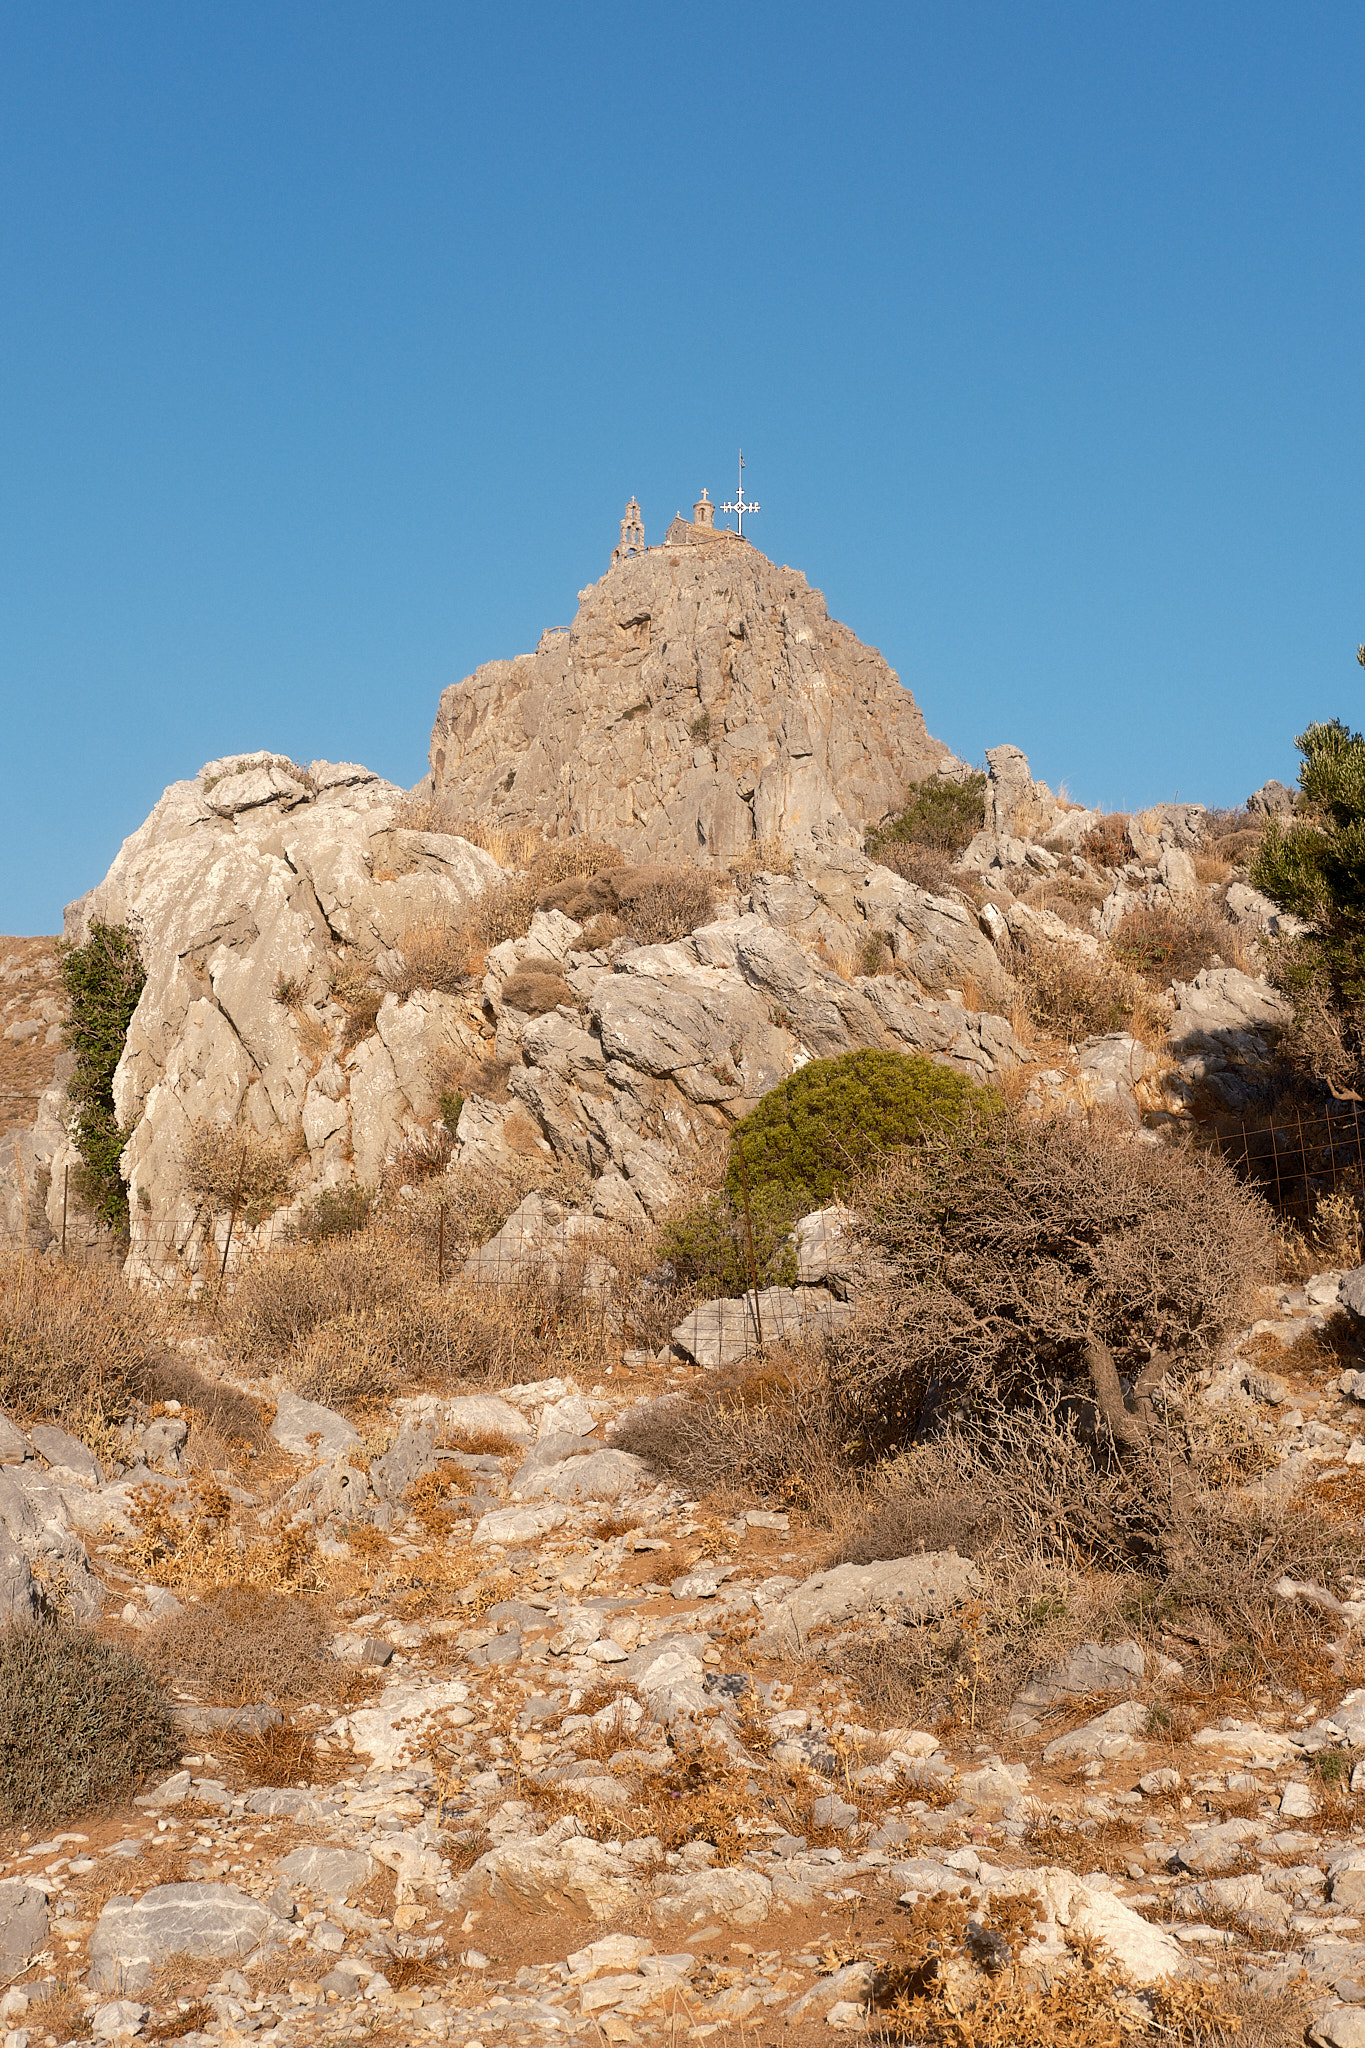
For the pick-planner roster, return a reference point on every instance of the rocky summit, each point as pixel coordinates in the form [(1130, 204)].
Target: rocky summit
[(487, 1558), (703, 699)]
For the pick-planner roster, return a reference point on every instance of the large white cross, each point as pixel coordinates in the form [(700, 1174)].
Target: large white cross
[(738, 505)]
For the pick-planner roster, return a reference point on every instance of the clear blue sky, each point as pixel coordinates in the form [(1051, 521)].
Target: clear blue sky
[(334, 337)]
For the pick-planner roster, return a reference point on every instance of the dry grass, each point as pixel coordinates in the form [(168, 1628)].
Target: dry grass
[(1233, 837), (197, 2017), (435, 955), (1069, 897), (1070, 995), (966, 1669), (210, 1547), (535, 990), (928, 867), (429, 1499), (353, 1320), (447, 955), (1107, 844), (761, 857), (771, 1430), (232, 1169), (1090, 2005), (75, 1341), (651, 903), (281, 1756), (355, 989), (243, 1645), (1164, 944)]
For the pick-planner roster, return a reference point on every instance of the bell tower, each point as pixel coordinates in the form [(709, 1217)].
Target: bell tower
[(632, 540)]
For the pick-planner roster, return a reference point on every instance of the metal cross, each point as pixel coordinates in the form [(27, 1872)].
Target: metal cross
[(738, 505)]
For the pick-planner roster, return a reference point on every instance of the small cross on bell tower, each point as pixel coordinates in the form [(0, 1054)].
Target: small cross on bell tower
[(704, 512), (738, 505), (632, 535)]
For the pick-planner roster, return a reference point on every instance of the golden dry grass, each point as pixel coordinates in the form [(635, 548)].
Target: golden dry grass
[(75, 1341)]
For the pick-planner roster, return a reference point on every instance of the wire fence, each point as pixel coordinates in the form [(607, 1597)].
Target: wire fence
[(563, 1278), (1295, 1161)]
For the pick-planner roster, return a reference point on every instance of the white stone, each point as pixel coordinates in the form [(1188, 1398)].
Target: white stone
[(908, 1588), (508, 1526)]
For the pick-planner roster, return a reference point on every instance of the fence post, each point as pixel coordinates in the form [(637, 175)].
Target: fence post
[(66, 1176), (232, 1218), (749, 1235)]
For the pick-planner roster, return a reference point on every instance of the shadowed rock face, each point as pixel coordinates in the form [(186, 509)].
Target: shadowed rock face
[(701, 699)]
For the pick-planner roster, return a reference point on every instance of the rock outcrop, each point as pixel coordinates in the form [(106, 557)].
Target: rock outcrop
[(702, 699), (251, 883), (256, 888)]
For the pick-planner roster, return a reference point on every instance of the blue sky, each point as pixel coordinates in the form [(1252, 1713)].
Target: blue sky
[(333, 339)]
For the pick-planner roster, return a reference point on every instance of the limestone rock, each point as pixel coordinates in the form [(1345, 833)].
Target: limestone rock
[(308, 1430), (1094, 1667), (23, 1924), (331, 1873), (212, 1922), (1016, 805), (910, 1589), (399, 1722), (703, 698), (546, 1875), (1115, 1733), (65, 1454), (740, 1897), (602, 1475), (1272, 799), (1224, 1034), (244, 878), (1071, 1906), (723, 1331)]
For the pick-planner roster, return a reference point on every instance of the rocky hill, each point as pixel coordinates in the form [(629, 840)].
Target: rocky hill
[(555, 1643), (317, 944), (703, 699)]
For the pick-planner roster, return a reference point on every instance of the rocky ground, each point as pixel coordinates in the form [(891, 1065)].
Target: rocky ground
[(587, 1768)]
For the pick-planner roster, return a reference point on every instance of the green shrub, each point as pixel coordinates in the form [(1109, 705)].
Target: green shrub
[(83, 1724), (1313, 865), (815, 1130), (708, 1247), (942, 816), (103, 980)]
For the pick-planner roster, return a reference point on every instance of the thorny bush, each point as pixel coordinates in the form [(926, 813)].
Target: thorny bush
[(231, 1167), (83, 1723), (1011, 1244)]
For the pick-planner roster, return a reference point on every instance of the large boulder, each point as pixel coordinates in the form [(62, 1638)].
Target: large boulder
[(245, 882), (701, 700), (211, 1922), (906, 1589)]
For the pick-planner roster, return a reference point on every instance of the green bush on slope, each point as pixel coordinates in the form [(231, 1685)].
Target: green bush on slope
[(815, 1130), (103, 980), (1314, 866), (943, 816)]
